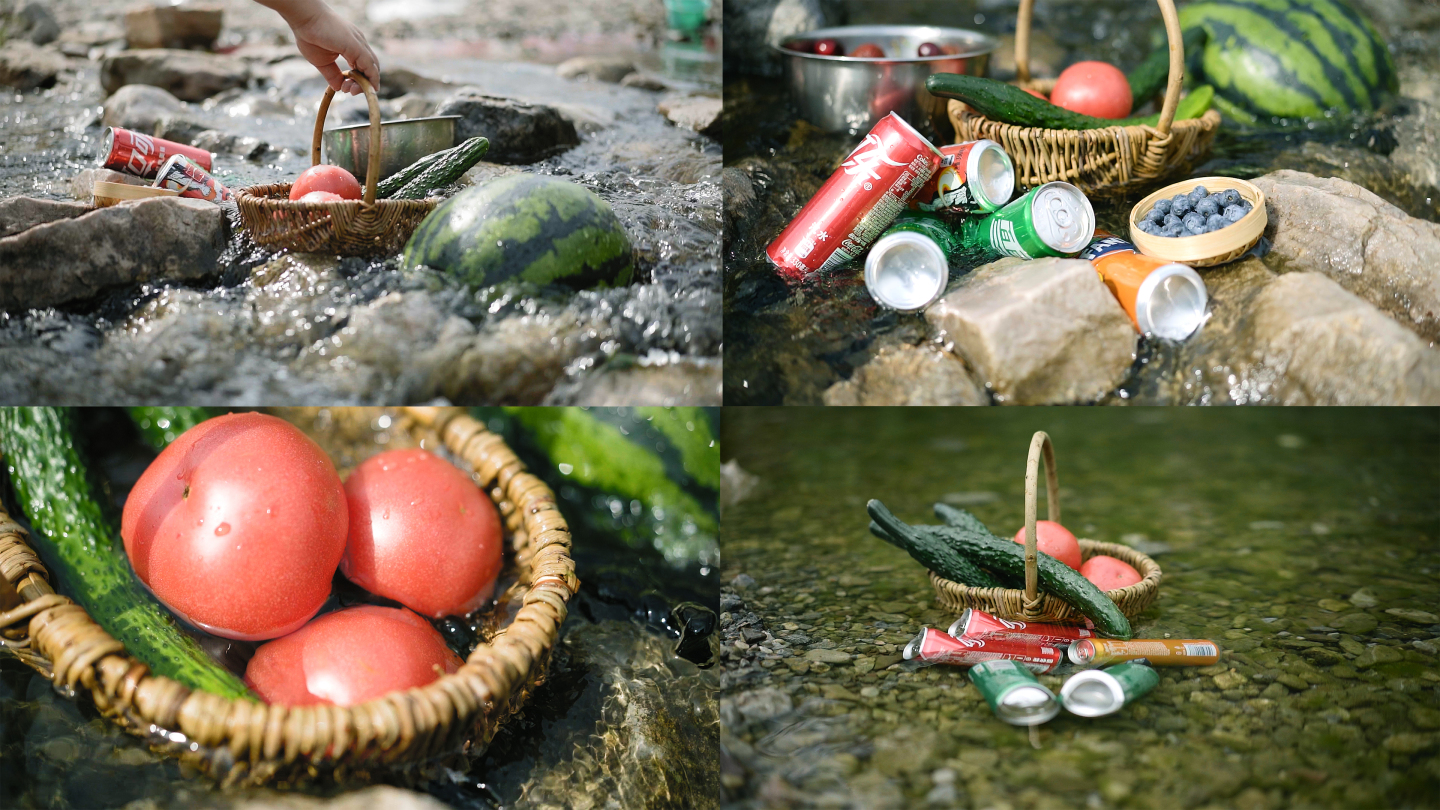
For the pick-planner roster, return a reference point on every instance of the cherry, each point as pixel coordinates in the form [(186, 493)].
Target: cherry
[(829, 47)]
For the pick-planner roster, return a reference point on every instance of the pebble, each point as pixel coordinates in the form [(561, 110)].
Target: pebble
[(1378, 654), (743, 581), (763, 704), (1333, 605), (1363, 598), (1416, 616), (1357, 624), (864, 665), (823, 656)]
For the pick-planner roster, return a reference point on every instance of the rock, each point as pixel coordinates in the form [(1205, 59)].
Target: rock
[(609, 69), (1363, 598), (1379, 654), (740, 199), (26, 66), (518, 132), (741, 582), (83, 186), (227, 143), (189, 75), (1417, 150), (1368, 246), (1229, 680), (73, 259), (700, 113), (517, 360), (1038, 332), (642, 81), (34, 22), (180, 130), (18, 214), (1332, 605), (142, 107), (750, 24), (909, 375), (1335, 349), (1416, 616), (687, 382), (397, 82), (173, 26), (763, 704), (1410, 743), (1293, 681), (90, 34), (1357, 624), (414, 105), (825, 656), (379, 797)]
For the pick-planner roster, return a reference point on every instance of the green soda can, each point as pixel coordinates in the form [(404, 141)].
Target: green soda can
[(1098, 692), (909, 265), (1051, 220), (1014, 693)]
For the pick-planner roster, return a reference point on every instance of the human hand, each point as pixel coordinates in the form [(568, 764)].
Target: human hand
[(321, 36)]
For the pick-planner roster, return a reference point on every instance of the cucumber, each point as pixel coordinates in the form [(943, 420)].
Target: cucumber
[(1149, 77), (387, 187), (159, 426), (444, 171), (938, 557), (1008, 560), (79, 543), (1012, 105), (959, 518)]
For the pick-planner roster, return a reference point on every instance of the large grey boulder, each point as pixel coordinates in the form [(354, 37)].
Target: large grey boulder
[(909, 375), (19, 214), (1367, 245), (142, 107), (26, 66), (189, 75), (76, 258), (32, 21), (173, 26), (1038, 332), (519, 133), (1332, 348)]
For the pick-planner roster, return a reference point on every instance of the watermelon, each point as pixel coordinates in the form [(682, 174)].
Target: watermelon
[(528, 227), (1290, 58)]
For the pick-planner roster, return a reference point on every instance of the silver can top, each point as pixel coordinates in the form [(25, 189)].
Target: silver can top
[(1028, 704), (958, 628), (1081, 652), (991, 174), (1062, 217), (1171, 302), (1092, 693), (906, 271)]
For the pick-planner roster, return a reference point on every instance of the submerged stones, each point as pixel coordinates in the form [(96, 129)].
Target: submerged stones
[(909, 375), (519, 132), (188, 75)]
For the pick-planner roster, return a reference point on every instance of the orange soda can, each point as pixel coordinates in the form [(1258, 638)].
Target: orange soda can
[(1193, 652), (1162, 298)]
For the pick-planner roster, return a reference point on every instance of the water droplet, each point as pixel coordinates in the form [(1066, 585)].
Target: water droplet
[(222, 530), (385, 515)]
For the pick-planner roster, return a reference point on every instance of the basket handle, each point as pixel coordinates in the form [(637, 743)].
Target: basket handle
[(1039, 443), (1172, 35), (372, 171)]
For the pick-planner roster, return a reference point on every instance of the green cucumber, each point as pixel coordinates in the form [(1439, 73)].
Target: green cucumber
[(937, 557), (959, 518), (159, 426), (79, 543), (1010, 104), (1007, 559), (387, 187), (1149, 77), (445, 171)]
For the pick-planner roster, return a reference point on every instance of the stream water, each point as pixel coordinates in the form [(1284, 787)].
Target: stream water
[(261, 328), (626, 718), (1304, 542), (789, 343)]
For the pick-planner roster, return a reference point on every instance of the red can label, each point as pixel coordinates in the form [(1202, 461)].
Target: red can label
[(142, 155), (978, 624), (858, 202), (935, 647), (181, 174), (949, 189)]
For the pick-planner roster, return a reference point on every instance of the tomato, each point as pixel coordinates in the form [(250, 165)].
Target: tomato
[(350, 656), (1108, 573), (1097, 89), (421, 533), (1055, 540), (1035, 93), (829, 47), (321, 196), (238, 526), (869, 50), (326, 178)]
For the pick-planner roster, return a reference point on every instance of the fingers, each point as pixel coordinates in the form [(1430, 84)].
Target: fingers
[(333, 77), (363, 59)]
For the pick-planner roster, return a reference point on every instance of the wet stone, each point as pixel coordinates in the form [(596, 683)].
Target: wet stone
[(909, 375), (1358, 624), (19, 214), (26, 66), (610, 69), (32, 21), (1378, 654), (169, 26), (188, 75), (698, 113), (519, 133), (1414, 616), (1363, 598)]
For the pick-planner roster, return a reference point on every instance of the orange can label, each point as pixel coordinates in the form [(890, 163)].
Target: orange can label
[(1121, 268), (1193, 652)]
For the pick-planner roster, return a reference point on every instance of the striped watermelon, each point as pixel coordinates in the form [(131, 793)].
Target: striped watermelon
[(1290, 58), (526, 226)]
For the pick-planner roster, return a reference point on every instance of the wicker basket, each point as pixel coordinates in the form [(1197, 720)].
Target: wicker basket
[(1030, 605), (245, 742), (364, 227), (1094, 159)]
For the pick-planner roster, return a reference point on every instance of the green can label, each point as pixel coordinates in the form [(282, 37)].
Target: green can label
[(928, 225), (1053, 220), (1013, 692), (1135, 678)]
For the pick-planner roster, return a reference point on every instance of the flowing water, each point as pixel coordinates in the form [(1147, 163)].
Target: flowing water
[(788, 343), (1303, 542), (626, 718), (266, 328)]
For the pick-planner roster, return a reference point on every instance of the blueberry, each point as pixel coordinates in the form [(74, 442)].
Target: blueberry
[(1155, 215), (1162, 205), (1206, 207), (1231, 197), (1147, 226), (1179, 204), (1198, 193), (1215, 222), (1247, 205), (1234, 213), (1218, 199), (1194, 221), (1175, 229), (1171, 219)]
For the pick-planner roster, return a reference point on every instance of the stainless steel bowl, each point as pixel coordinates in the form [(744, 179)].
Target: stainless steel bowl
[(402, 143), (843, 93)]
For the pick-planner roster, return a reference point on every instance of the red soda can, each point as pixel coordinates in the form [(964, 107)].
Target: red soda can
[(180, 173), (858, 202), (973, 176), (978, 624), (141, 155), (935, 647)]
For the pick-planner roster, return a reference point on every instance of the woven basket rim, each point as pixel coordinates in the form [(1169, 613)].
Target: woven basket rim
[(250, 741), (1212, 116), (277, 195)]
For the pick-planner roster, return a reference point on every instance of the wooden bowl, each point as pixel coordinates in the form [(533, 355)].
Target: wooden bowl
[(1207, 249), (108, 194)]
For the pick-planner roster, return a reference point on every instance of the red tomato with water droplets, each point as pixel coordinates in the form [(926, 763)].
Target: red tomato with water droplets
[(1108, 573), (325, 177), (238, 526), (421, 533), (1055, 540), (1097, 89), (868, 50), (350, 656), (321, 196)]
